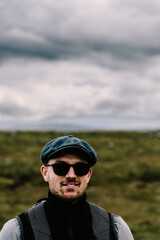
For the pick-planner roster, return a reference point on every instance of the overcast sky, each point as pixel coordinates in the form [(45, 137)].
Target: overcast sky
[(81, 58)]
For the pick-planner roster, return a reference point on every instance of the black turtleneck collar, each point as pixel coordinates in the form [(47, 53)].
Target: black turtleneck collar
[(68, 220), (60, 207)]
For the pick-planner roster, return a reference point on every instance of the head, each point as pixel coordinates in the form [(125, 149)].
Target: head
[(69, 167)]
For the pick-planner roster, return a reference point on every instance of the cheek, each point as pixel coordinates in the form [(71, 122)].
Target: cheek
[(85, 181), (50, 176), (53, 181)]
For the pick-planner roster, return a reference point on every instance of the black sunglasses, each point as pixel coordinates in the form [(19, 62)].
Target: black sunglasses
[(62, 168)]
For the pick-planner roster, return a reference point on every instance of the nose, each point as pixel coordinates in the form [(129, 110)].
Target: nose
[(71, 173)]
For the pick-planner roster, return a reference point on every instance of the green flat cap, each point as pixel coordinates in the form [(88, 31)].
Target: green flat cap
[(68, 144)]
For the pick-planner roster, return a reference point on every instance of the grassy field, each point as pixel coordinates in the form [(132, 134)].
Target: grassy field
[(125, 181)]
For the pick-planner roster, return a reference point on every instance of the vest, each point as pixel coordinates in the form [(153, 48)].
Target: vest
[(39, 227)]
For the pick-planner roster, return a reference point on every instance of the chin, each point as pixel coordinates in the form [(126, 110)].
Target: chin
[(70, 198)]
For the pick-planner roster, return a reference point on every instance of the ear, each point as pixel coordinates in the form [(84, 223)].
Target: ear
[(44, 172), (89, 174)]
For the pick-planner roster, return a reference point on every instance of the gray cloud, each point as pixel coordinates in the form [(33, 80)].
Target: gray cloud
[(126, 30), (82, 58), (14, 110)]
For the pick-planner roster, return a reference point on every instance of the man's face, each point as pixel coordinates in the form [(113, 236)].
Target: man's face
[(69, 187)]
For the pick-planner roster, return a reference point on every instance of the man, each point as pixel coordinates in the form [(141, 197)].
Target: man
[(65, 214)]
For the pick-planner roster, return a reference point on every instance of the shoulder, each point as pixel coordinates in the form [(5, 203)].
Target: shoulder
[(10, 230), (122, 229)]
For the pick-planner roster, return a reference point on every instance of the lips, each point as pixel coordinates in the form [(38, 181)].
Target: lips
[(70, 184)]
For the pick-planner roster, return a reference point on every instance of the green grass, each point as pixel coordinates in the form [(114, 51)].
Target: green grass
[(125, 181)]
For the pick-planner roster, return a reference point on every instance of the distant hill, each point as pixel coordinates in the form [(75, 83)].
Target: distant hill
[(83, 123)]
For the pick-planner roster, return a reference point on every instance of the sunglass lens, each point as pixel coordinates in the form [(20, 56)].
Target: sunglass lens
[(61, 169), (81, 169)]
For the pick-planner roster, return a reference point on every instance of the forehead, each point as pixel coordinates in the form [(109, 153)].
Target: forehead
[(69, 158)]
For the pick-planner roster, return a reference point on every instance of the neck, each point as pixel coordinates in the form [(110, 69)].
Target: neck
[(62, 214)]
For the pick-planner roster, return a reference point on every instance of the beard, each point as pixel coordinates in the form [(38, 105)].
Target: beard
[(69, 195)]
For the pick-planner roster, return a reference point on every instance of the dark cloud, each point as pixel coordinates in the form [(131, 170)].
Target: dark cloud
[(55, 49), (62, 31), (115, 107), (13, 110)]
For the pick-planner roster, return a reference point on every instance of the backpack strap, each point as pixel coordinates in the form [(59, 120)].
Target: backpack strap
[(25, 227), (102, 223), (113, 232), (33, 223), (39, 222)]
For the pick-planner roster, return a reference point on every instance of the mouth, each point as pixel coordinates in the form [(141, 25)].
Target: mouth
[(70, 184)]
